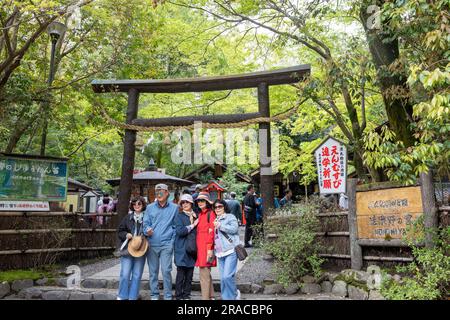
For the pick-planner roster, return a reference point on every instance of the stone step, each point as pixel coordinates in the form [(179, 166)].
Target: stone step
[(60, 293), (114, 284)]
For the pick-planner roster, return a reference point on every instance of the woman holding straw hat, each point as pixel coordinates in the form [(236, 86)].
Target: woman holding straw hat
[(133, 250), (205, 244)]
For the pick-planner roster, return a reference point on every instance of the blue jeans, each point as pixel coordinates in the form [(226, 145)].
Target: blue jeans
[(227, 269), (130, 267), (164, 255)]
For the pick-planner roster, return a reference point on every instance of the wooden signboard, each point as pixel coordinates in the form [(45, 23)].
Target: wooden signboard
[(386, 213)]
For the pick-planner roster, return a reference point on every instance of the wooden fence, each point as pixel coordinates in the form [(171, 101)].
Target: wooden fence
[(30, 239), (334, 234)]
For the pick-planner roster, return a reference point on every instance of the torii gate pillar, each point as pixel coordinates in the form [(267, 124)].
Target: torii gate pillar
[(265, 150)]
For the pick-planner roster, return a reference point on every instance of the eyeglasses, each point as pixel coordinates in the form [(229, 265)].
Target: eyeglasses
[(184, 202), (219, 206), (201, 200), (137, 204)]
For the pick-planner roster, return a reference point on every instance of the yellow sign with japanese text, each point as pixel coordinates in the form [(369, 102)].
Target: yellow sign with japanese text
[(386, 213)]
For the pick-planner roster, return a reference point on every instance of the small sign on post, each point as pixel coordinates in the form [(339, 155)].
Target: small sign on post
[(331, 161)]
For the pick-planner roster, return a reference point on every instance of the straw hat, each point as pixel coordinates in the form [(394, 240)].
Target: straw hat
[(204, 196), (138, 246)]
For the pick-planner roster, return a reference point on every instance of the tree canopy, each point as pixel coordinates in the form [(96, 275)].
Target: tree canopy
[(379, 81)]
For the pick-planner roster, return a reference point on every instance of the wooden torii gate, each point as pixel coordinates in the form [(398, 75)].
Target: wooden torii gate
[(261, 80)]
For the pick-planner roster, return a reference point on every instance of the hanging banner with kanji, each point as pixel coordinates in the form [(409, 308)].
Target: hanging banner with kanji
[(331, 161)]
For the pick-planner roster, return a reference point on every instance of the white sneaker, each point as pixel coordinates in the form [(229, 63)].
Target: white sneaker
[(238, 296)]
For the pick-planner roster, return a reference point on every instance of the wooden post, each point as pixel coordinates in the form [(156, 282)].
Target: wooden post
[(430, 211), (126, 179), (265, 151), (355, 248)]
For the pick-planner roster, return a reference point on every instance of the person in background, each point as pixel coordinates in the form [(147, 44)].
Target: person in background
[(159, 227), (197, 191), (176, 197), (250, 214), (343, 201), (259, 232), (131, 266), (226, 237), (235, 207), (101, 201), (194, 196), (107, 206), (259, 208), (185, 224), (287, 199), (205, 245), (276, 202)]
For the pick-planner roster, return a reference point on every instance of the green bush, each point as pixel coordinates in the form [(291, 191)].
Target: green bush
[(296, 249), (427, 277)]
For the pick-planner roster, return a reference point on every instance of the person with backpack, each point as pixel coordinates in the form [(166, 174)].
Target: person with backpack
[(226, 238), (205, 245), (185, 247)]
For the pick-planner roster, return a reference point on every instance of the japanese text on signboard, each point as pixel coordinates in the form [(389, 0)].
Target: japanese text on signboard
[(331, 159)]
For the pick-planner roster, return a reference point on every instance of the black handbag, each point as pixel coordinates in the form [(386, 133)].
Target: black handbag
[(122, 252), (191, 243), (241, 253)]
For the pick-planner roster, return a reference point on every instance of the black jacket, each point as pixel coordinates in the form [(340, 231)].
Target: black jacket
[(250, 201), (182, 258), (127, 226)]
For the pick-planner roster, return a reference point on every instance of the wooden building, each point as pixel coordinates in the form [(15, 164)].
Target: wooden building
[(144, 182)]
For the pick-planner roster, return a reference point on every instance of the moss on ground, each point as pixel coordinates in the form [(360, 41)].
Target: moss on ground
[(351, 281), (12, 275)]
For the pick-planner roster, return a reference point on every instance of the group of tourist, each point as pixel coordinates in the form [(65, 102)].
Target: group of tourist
[(162, 232)]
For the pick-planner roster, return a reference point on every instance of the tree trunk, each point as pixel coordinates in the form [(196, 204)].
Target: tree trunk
[(17, 134), (394, 89), (359, 165), (431, 221)]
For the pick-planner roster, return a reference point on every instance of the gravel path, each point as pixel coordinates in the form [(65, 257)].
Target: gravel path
[(91, 269), (256, 269)]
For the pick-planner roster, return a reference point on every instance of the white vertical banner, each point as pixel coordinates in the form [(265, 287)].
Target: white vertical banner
[(331, 161)]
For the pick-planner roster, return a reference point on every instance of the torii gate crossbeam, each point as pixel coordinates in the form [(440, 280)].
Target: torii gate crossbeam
[(260, 80)]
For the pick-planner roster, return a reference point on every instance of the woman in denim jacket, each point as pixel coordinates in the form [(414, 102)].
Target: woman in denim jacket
[(226, 237)]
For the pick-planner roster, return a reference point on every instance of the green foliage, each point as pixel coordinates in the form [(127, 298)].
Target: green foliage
[(429, 79), (231, 184), (296, 249), (428, 277)]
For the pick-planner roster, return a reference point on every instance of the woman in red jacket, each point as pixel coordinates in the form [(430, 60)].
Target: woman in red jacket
[(205, 245)]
